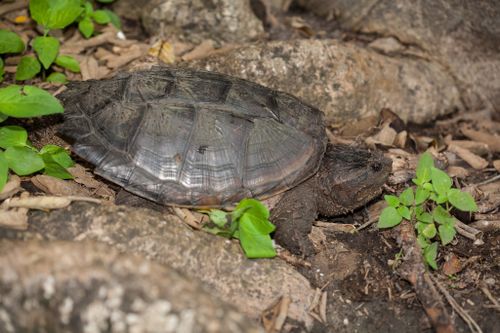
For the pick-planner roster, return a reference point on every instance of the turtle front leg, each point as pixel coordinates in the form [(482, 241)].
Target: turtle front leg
[(293, 216)]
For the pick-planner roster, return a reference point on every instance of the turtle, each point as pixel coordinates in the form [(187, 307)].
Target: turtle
[(195, 138)]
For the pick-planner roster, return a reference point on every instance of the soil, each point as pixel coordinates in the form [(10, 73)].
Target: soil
[(357, 270)]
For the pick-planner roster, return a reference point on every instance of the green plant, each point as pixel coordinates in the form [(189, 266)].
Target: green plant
[(249, 222), (16, 152), (427, 207)]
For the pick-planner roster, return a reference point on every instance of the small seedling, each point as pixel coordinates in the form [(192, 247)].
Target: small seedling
[(428, 208), (249, 222)]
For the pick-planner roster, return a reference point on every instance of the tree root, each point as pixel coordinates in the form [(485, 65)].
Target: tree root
[(413, 270)]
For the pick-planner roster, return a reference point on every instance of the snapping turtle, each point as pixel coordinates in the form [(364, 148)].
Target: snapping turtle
[(202, 139)]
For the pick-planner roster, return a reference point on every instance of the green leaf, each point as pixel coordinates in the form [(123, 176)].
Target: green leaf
[(86, 27), (56, 77), (115, 19), (255, 242), (430, 254), (55, 14), (424, 167), (2, 70), (27, 101), (4, 170), (23, 160), (447, 232), (389, 218), (404, 212), (425, 218), (407, 197), (422, 241), (427, 186), (462, 200), (11, 136), (255, 207), (10, 42), (47, 49), (27, 68), (88, 9), (439, 199), (105, 1), (420, 227), (218, 217), (392, 200), (441, 182), (54, 169), (68, 62), (421, 195), (101, 17), (441, 215), (59, 154), (429, 230)]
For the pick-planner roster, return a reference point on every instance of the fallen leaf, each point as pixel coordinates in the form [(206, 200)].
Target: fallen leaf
[(11, 187), (59, 187), (452, 265), (459, 172), (496, 164), (87, 179), (44, 202), (202, 50), (385, 137)]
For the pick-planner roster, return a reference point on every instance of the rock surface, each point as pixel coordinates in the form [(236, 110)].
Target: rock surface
[(461, 36), (198, 20), (343, 80), (251, 285), (88, 287)]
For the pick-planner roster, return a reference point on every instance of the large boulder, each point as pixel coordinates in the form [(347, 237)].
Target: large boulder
[(88, 287), (197, 20), (250, 285), (346, 81), (461, 36)]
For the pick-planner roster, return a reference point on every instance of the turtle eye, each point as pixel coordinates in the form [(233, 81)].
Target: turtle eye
[(376, 166)]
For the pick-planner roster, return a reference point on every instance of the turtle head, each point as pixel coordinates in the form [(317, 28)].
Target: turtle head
[(350, 177)]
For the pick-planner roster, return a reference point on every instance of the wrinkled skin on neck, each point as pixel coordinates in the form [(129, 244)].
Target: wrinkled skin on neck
[(348, 178)]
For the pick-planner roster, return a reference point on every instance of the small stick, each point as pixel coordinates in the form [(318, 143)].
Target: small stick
[(473, 326), (467, 231), (487, 181), (413, 270), (7, 8), (492, 299)]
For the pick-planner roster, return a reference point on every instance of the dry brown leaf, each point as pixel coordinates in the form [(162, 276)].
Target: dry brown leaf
[(456, 171), (202, 50), (127, 55), (163, 51), (472, 159), (274, 317), (452, 265), (385, 137), (355, 128), (400, 140), (59, 187), (87, 179), (14, 218), (493, 141), (89, 68), (186, 216), (496, 164), (11, 187)]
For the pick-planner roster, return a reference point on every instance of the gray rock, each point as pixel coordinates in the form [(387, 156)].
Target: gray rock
[(462, 36), (88, 287), (250, 285), (344, 80), (198, 20)]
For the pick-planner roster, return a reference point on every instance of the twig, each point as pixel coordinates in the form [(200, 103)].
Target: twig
[(366, 224), (487, 181), (473, 326), (468, 231), (492, 299), (413, 270)]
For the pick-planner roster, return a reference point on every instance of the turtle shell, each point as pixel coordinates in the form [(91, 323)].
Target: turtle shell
[(193, 138)]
